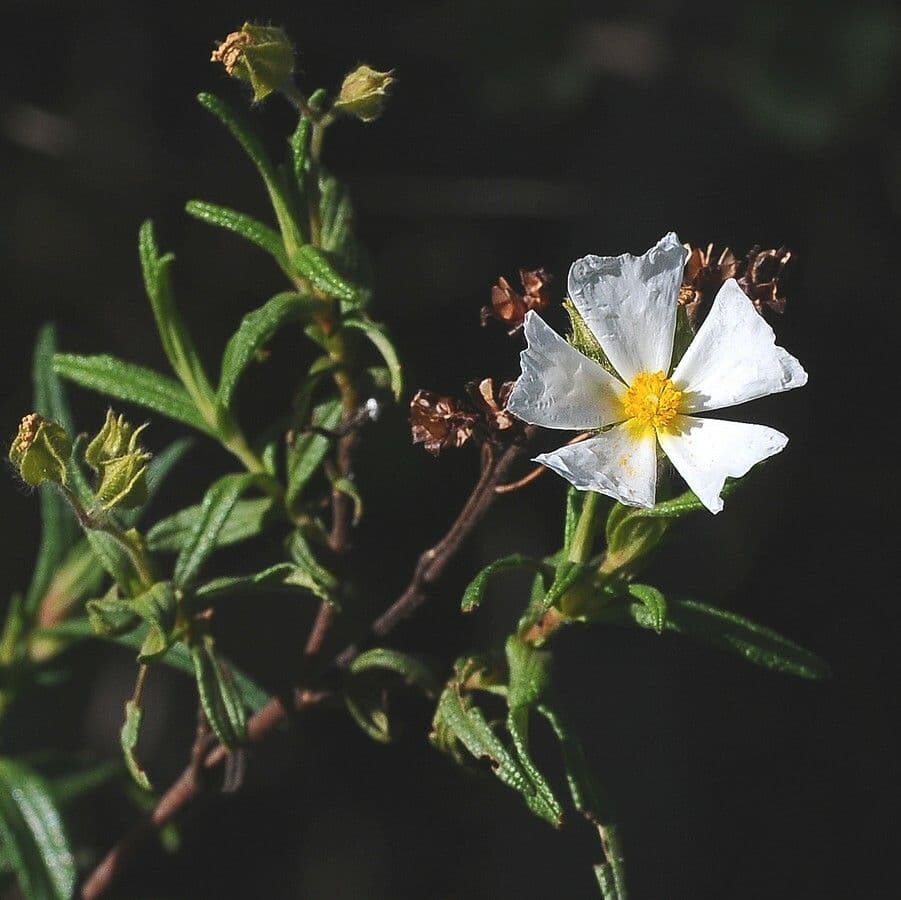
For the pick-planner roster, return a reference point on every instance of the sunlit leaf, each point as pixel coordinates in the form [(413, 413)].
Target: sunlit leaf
[(33, 836), (475, 590), (380, 339), (219, 695)]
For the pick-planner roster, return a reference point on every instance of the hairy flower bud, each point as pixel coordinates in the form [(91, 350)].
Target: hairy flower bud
[(259, 54), (122, 464), (40, 450), (364, 93), (510, 307)]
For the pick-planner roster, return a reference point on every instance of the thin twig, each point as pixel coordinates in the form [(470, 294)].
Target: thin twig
[(428, 569), (538, 471)]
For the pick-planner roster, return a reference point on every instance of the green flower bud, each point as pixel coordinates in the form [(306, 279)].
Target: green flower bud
[(116, 438), (123, 481), (40, 451), (121, 463), (259, 54), (364, 93)]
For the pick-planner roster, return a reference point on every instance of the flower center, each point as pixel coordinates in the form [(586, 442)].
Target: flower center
[(652, 400)]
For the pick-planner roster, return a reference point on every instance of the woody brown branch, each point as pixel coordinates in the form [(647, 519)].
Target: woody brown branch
[(429, 567)]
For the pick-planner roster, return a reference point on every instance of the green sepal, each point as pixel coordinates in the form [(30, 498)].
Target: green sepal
[(247, 227), (475, 590), (381, 340), (584, 340), (316, 266), (40, 451), (266, 60), (33, 835), (128, 738), (246, 520), (133, 384), (219, 696), (255, 330), (215, 510)]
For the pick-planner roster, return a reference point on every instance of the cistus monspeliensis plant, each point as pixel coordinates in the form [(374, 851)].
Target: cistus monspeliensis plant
[(657, 345)]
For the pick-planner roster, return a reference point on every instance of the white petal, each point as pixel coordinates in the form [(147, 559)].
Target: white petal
[(707, 451), (734, 357), (629, 302), (560, 387), (615, 463)]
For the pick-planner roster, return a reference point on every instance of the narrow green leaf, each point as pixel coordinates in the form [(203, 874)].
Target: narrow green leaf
[(255, 330), (157, 472), (75, 784), (346, 486), (157, 606), (219, 695), (246, 226), (380, 339), (475, 590), (735, 633), (364, 698), (681, 505), (456, 714), (591, 801), (543, 803), (33, 836), (128, 738), (654, 615), (176, 340), (310, 449), (133, 384), (412, 669), (59, 529), (315, 264), (568, 574), (246, 519), (215, 509), (282, 577), (178, 656), (252, 146)]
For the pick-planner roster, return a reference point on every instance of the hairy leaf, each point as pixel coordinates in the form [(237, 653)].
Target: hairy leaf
[(735, 633), (654, 615), (282, 577), (128, 738), (178, 656), (281, 204), (215, 509), (475, 590), (380, 339), (33, 836), (410, 668), (246, 226), (246, 519), (315, 264), (176, 340), (255, 330), (310, 449), (219, 695), (133, 384)]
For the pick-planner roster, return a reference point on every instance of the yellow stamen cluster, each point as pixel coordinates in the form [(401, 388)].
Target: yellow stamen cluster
[(652, 400)]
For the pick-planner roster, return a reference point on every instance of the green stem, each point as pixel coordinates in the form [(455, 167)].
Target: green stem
[(580, 550)]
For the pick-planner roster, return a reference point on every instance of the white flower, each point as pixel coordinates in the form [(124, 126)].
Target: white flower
[(630, 305)]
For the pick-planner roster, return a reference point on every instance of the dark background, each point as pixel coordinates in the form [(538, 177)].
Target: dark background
[(520, 134)]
